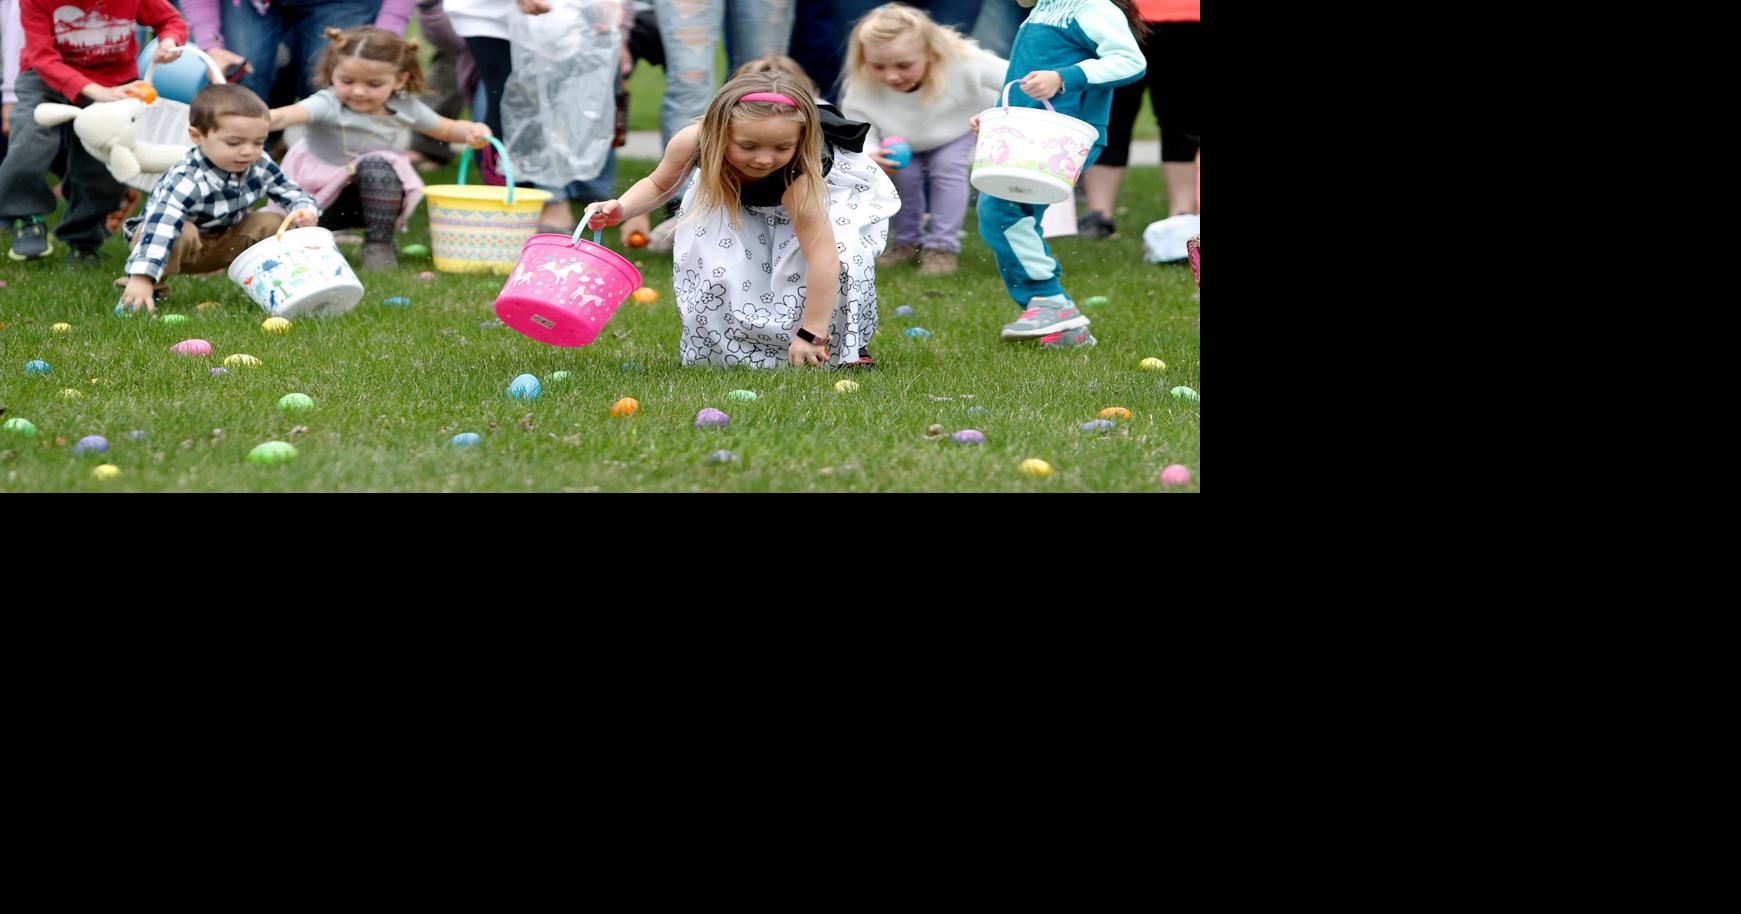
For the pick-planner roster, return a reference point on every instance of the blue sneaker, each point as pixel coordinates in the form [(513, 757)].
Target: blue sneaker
[(30, 239)]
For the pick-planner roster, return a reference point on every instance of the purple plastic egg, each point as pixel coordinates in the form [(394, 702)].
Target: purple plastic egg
[(711, 418), (968, 436), (91, 444), (220, 372)]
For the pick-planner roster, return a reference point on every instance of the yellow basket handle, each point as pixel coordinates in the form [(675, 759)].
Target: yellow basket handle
[(288, 217)]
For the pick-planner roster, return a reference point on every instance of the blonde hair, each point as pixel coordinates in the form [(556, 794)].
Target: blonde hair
[(770, 62), (889, 22), (371, 43), (717, 184)]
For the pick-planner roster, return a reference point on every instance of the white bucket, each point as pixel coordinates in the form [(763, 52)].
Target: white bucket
[(299, 272), (1028, 155)]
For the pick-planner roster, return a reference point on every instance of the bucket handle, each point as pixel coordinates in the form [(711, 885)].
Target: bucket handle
[(217, 73), (465, 160), (1006, 97), (585, 217), (287, 219)]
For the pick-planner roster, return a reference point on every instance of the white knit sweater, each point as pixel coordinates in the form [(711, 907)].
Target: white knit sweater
[(974, 84)]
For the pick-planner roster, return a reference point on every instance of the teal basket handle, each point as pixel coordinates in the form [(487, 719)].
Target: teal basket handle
[(585, 217), (465, 160)]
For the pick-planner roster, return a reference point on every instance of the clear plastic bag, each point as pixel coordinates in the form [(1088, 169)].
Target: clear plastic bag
[(559, 106)]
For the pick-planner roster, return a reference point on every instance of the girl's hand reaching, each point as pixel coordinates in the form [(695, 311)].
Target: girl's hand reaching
[(802, 353), (477, 136), (168, 51), (604, 215), (1042, 84)]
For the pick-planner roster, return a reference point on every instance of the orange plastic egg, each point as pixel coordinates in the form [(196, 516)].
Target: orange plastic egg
[(646, 296), (626, 407), (637, 239)]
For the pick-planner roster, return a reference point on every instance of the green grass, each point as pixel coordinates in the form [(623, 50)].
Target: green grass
[(392, 385)]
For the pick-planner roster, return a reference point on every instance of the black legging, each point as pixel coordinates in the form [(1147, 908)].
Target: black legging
[(495, 60), (1174, 53)]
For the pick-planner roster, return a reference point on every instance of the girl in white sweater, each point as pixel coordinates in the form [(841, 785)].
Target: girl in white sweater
[(921, 82)]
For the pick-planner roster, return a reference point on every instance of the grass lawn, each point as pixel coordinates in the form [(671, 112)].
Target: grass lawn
[(392, 385)]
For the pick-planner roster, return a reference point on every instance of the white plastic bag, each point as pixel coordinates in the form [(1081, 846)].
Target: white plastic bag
[(1164, 241), (559, 107)]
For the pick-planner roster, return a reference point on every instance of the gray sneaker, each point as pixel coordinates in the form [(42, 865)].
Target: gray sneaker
[(1044, 316), (1079, 338), (30, 239), (379, 255)]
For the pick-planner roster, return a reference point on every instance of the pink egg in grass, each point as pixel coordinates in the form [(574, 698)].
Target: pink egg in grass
[(192, 348), (1175, 475), (426, 275)]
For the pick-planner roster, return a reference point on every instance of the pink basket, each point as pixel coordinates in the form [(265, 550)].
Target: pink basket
[(565, 289)]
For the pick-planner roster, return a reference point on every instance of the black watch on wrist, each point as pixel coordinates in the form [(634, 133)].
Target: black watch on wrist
[(813, 339)]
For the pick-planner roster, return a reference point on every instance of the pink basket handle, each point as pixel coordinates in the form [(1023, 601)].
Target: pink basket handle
[(1006, 97)]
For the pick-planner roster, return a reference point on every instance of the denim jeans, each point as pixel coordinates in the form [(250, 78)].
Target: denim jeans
[(298, 24), (690, 31), (998, 22)]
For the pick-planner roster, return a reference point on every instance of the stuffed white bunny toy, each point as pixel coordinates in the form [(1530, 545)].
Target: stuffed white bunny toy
[(107, 130)]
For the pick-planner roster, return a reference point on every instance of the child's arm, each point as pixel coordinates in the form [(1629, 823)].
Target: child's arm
[(655, 188), (289, 116), (393, 16), (816, 240), (1117, 61), (165, 211), (471, 133), (11, 49), (161, 16)]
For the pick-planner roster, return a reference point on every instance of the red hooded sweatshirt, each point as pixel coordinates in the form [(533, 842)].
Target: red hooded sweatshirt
[(72, 43)]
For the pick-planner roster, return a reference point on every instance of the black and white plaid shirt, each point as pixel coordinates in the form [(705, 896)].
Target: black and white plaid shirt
[(213, 198)]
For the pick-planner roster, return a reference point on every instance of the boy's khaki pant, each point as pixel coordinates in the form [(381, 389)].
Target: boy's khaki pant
[(197, 253)]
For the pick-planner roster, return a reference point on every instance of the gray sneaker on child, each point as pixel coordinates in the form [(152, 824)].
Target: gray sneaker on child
[(1044, 316)]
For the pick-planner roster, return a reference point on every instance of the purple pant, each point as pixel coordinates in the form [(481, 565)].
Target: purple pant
[(934, 181)]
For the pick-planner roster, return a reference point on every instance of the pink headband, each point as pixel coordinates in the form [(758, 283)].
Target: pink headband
[(769, 97)]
